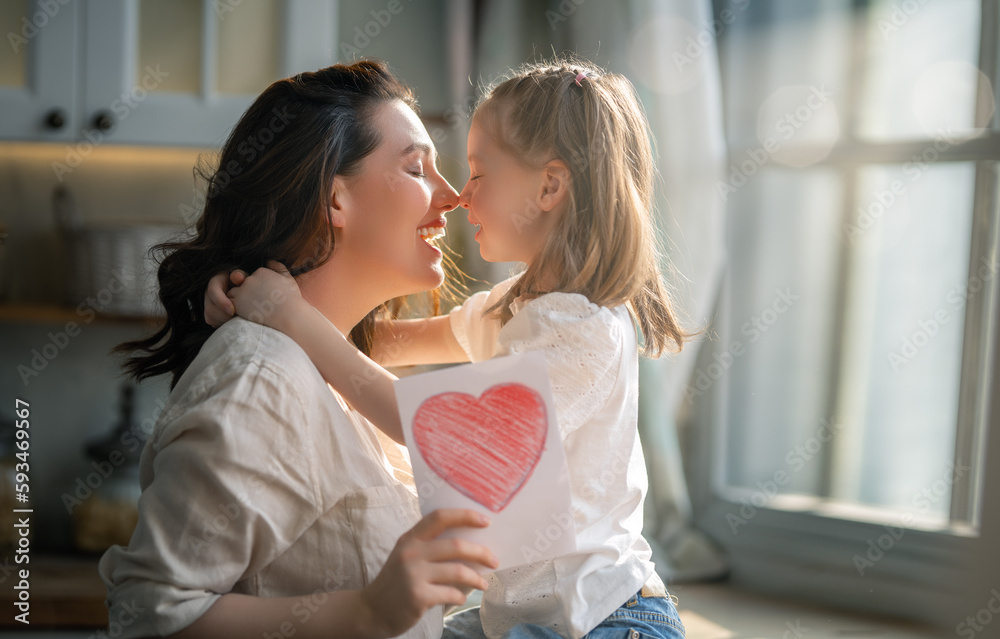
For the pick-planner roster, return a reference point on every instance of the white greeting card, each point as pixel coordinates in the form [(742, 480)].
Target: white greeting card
[(484, 436)]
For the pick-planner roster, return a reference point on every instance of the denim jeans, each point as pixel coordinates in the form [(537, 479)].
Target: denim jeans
[(639, 617)]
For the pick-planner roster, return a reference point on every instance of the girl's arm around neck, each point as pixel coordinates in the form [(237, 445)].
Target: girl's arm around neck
[(413, 342), (364, 384)]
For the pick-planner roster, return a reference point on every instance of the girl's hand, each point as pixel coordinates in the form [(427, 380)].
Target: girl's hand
[(219, 308), (424, 571), (268, 297)]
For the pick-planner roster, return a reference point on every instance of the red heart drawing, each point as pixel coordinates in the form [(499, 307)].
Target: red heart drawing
[(485, 448)]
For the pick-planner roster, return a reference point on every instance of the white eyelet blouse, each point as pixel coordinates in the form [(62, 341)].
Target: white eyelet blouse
[(593, 365)]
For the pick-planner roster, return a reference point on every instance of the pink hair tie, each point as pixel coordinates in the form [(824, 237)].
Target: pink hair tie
[(579, 76)]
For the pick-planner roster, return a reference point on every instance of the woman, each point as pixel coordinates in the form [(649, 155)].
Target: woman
[(268, 506)]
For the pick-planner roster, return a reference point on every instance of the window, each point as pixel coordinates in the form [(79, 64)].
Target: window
[(849, 383)]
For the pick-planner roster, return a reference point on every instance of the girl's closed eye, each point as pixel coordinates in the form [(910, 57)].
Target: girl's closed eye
[(474, 177)]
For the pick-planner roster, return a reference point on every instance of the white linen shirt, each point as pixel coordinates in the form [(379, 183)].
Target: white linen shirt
[(592, 360), (257, 479)]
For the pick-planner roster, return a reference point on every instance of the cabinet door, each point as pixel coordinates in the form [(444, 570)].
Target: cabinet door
[(181, 72), (39, 70)]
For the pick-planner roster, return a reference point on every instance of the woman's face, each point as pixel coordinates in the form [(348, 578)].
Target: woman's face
[(394, 208)]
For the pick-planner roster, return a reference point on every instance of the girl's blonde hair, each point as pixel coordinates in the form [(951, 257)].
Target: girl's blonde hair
[(604, 246)]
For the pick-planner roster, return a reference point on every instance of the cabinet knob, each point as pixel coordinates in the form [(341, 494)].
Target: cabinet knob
[(55, 119), (103, 121)]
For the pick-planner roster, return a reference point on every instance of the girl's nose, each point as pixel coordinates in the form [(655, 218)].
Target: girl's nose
[(463, 197)]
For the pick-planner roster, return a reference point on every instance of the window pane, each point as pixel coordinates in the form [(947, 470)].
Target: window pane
[(170, 35), (12, 63), (248, 47), (784, 251), (921, 78), (908, 237), (764, 82)]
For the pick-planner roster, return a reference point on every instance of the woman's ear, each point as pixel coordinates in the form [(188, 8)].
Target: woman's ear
[(338, 202), (556, 183)]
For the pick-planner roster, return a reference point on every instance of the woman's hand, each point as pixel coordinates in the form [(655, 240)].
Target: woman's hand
[(424, 571), (268, 297), (219, 308)]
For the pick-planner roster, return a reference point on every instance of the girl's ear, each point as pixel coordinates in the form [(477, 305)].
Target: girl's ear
[(339, 203), (555, 186)]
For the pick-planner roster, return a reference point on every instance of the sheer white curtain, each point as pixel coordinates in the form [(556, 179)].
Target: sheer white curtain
[(667, 49)]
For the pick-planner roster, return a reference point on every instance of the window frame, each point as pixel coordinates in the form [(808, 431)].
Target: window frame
[(807, 548)]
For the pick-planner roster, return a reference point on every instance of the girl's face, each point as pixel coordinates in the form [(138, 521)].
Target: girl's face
[(501, 196), (394, 208)]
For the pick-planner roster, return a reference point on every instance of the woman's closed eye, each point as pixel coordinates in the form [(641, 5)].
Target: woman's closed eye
[(418, 170), (473, 178)]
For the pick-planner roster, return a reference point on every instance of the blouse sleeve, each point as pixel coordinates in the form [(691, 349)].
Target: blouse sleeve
[(475, 333), (582, 344), (233, 487)]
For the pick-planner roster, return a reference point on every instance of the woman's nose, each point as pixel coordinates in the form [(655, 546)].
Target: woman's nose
[(447, 196)]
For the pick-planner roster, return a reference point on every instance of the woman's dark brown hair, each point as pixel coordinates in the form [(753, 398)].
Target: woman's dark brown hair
[(267, 199)]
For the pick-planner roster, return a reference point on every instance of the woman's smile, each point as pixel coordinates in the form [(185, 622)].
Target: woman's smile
[(433, 231)]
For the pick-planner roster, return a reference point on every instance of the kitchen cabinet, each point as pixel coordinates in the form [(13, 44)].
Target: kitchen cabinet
[(161, 72), (38, 74)]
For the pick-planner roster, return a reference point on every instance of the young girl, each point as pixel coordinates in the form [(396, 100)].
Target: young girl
[(562, 180)]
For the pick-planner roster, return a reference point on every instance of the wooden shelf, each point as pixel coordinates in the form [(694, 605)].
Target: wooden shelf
[(43, 314)]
